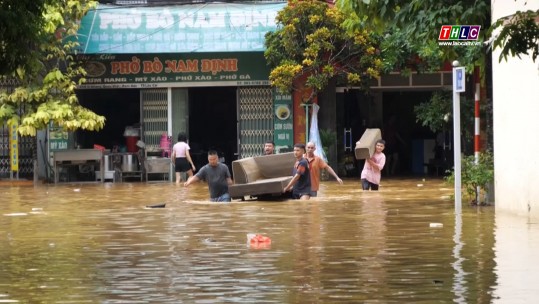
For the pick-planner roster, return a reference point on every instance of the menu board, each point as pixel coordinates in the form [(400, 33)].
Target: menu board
[(283, 123)]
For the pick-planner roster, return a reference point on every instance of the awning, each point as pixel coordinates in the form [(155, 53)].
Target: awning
[(190, 28)]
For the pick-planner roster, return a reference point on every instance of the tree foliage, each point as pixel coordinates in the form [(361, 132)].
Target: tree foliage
[(415, 25), (518, 35), (311, 42), (411, 29), (475, 174), (46, 84), (437, 113), (20, 23)]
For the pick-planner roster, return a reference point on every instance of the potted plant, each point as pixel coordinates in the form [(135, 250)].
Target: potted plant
[(328, 138), (474, 176)]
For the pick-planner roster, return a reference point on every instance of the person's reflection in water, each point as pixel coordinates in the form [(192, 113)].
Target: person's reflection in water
[(373, 235)]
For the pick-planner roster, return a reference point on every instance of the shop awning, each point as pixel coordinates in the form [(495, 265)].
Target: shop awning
[(190, 28)]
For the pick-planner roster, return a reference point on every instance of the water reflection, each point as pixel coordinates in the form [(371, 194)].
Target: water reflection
[(459, 282), (98, 243), (516, 267)]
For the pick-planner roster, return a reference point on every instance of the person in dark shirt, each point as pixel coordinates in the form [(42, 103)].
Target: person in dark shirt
[(217, 176), (393, 145), (301, 180)]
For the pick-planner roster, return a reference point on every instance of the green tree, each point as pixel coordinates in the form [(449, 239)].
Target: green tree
[(311, 42), (437, 114), (415, 26), (411, 29), (47, 83), (518, 34), (475, 174), (20, 23)]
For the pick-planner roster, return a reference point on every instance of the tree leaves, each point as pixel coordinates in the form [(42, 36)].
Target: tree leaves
[(20, 24), (312, 43), (437, 113), (519, 35), (411, 30), (47, 83), (474, 175)]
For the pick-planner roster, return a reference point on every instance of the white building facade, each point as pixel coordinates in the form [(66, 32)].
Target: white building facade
[(516, 123)]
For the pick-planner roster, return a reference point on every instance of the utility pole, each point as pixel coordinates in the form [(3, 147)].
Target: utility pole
[(459, 80)]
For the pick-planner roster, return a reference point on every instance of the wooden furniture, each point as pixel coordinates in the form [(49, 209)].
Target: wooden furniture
[(365, 147), (66, 158), (261, 175)]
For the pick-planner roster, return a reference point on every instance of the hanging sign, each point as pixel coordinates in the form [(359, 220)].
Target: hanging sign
[(187, 28), (57, 138), (174, 70), (14, 146), (459, 83), (282, 122)]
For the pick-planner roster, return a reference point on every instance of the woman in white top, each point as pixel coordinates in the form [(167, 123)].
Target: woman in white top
[(182, 158)]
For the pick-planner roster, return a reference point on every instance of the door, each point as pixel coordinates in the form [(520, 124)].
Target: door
[(255, 112)]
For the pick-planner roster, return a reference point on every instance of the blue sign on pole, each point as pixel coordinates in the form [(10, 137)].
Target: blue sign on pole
[(460, 80)]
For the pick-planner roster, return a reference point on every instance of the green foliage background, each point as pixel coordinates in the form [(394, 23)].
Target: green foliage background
[(475, 175), (47, 81), (311, 42)]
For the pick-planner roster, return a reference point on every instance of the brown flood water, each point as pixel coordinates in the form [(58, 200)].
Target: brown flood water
[(97, 243)]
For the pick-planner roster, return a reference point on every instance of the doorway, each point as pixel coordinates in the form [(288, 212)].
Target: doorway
[(121, 108), (213, 123), (400, 119)]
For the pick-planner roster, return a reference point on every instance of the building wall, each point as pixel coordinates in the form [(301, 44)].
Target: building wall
[(516, 122)]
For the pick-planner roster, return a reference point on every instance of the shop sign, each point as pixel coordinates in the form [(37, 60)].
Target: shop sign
[(58, 138), (282, 122), (189, 28), (174, 70), (14, 146)]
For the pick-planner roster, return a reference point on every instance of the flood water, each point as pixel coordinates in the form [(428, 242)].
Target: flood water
[(97, 243)]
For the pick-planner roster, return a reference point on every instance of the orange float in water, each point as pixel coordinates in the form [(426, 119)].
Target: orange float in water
[(258, 241)]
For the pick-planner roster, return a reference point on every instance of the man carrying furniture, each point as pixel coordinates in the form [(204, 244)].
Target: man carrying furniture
[(301, 180)]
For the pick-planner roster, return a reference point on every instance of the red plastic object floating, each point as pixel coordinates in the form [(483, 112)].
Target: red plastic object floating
[(259, 241)]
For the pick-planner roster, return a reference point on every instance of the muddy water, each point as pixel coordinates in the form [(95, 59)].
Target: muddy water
[(97, 243)]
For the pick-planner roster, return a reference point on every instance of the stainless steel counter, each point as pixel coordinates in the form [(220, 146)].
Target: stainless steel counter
[(65, 158), (162, 165)]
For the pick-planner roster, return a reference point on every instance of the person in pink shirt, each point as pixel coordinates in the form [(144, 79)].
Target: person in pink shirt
[(182, 158), (372, 170)]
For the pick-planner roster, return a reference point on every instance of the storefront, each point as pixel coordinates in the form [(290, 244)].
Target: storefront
[(389, 105), (195, 68), (200, 69)]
